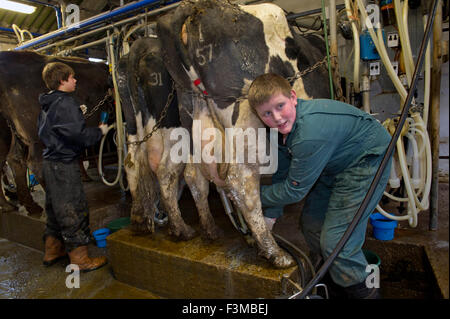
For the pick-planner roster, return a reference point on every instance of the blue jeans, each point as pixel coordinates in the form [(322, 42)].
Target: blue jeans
[(329, 210)]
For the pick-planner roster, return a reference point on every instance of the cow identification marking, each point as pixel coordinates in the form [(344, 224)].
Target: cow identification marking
[(199, 309), (156, 79), (204, 54)]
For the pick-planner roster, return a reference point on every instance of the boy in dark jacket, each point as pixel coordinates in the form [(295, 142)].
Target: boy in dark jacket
[(63, 131), (328, 151)]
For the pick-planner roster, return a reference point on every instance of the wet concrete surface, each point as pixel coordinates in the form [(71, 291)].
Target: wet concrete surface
[(22, 274)]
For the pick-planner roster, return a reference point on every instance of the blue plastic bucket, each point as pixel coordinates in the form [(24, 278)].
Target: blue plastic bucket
[(371, 257), (100, 236), (383, 227)]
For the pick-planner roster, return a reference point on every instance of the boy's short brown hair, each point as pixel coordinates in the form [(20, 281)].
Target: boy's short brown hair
[(54, 73), (265, 86)]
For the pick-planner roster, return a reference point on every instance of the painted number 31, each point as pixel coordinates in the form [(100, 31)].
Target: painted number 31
[(156, 79)]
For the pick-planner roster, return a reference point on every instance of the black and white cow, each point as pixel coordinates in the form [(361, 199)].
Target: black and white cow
[(213, 50), (148, 96)]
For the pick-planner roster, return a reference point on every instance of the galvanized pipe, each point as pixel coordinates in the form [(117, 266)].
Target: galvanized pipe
[(110, 26), (90, 22), (84, 46), (434, 124), (107, 27)]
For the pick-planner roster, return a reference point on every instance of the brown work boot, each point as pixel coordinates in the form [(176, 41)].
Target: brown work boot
[(79, 256), (54, 251)]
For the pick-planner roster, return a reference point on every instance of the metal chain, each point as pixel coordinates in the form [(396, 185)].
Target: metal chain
[(244, 97), (307, 70), (91, 112), (158, 124), (238, 99)]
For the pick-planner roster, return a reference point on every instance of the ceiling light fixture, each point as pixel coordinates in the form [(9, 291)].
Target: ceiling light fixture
[(17, 7)]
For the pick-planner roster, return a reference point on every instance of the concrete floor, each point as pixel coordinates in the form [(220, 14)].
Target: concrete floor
[(22, 274)]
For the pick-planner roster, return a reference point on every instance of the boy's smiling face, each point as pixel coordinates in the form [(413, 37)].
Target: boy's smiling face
[(279, 112), (69, 85)]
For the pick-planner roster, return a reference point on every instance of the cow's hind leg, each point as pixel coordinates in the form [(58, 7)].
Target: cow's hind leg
[(142, 184), (168, 175), (4, 205), (199, 187), (243, 184), (16, 160)]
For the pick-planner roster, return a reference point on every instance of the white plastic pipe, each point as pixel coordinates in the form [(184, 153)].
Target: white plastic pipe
[(407, 182), (417, 119), (415, 162), (414, 204), (409, 57), (403, 42), (356, 45), (394, 181)]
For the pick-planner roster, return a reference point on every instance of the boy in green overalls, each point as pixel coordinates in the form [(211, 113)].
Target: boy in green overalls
[(329, 151)]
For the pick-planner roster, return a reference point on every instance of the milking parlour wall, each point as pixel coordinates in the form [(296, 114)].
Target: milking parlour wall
[(228, 267)]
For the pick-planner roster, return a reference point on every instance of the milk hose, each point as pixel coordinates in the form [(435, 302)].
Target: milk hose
[(285, 244), (356, 47), (119, 121), (324, 268), (301, 270)]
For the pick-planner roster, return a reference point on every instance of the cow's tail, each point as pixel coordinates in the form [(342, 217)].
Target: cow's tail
[(124, 92)]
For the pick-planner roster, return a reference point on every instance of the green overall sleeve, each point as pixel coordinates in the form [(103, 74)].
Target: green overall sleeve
[(280, 175), (308, 160)]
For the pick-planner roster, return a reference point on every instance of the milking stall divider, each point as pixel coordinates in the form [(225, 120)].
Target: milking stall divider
[(134, 17)]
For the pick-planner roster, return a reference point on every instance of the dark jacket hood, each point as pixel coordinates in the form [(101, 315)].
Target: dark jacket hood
[(46, 99)]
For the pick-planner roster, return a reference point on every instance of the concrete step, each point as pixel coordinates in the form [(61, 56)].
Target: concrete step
[(198, 268)]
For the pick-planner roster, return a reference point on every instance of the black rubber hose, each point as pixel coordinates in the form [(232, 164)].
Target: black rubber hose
[(321, 272), (301, 270)]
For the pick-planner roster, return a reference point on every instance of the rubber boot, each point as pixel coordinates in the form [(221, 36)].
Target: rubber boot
[(334, 290), (79, 256), (360, 291), (54, 251)]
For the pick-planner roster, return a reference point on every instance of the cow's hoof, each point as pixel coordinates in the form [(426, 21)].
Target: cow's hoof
[(283, 260), (185, 233), (139, 229), (35, 211), (214, 233), (250, 240), (139, 225), (35, 215)]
